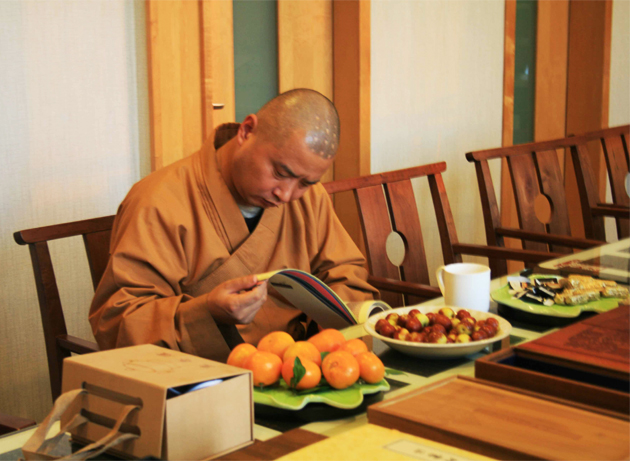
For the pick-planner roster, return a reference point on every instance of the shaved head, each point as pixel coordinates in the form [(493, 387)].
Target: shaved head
[(303, 112)]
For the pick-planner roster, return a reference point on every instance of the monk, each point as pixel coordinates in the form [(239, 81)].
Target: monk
[(189, 239)]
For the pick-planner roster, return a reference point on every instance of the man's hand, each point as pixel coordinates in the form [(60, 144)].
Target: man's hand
[(237, 301)]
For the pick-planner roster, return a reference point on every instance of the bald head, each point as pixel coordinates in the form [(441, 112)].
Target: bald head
[(303, 112)]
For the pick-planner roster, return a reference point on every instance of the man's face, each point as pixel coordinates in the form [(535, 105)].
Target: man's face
[(266, 175)]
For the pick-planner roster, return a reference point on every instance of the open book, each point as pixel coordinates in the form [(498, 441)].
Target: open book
[(313, 297)]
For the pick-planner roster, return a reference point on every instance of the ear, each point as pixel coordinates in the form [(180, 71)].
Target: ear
[(247, 128)]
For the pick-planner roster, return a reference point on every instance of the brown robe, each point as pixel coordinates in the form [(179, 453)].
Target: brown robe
[(179, 233)]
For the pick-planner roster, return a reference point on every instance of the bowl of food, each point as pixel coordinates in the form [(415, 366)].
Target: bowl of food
[(434, 332)]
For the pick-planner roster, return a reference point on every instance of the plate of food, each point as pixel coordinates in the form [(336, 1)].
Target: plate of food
[(281, 396), (555, 296), (437, 332)]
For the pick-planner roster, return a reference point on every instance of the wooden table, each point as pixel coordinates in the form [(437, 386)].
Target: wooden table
[(277, 437)]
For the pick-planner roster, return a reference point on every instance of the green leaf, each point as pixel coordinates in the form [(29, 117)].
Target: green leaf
[(391, 372), (324, 354), (298, 372)]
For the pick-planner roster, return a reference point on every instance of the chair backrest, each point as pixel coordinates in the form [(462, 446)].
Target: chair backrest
[(614, 142), (387, 204), (96, 235)]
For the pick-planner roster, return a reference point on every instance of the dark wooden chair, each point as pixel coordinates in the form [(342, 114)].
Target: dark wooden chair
[(387, 204), (10, 423), (96, 235), (535, 171), (614, 142)]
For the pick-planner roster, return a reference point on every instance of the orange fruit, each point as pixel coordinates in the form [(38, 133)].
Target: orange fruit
[(305, 351), (311, 377), (371, 368), (266, 367), (354, 346), (240, 354), (340, 369), (276, 342), (328, 340)]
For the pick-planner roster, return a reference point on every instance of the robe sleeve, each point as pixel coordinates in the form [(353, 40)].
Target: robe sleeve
[(140, 300), (338, 262)]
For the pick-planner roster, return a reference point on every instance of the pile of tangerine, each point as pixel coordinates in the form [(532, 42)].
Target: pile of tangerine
[(341, 362)]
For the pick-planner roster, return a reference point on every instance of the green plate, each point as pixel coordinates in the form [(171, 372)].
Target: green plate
[(502, 296), (280, 396)]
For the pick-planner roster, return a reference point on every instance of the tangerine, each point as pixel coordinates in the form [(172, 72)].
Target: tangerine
[(240, 354), (305, 351), (266, 367), (328, 340), (354, 346), (371, 368), (340, 369), (311, 378), (276, 342)]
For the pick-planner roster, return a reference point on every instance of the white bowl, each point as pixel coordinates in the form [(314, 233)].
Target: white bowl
[(438, 351)]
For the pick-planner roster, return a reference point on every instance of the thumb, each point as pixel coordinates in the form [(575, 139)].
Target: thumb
[(242, 283)]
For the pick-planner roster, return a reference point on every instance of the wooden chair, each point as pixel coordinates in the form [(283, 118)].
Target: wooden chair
[(387, 204), (10, 423), (96, 235), (535, 170), (614, 142)]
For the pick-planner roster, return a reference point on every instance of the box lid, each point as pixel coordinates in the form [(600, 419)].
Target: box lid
[(600, 343), (156, 366)]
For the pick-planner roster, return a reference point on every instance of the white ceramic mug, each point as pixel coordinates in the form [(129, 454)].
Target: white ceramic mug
[(465, 285)]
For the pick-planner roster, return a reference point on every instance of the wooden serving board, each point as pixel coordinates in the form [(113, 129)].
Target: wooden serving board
[(484, 418)]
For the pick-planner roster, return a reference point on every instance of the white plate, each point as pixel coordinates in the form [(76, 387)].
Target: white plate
[(438, 351)]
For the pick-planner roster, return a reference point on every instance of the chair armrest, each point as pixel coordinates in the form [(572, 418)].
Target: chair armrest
[(615, 211), (614, 205), (76, 345), (564, 240), (13, 423), (511, 254), (397, 286)]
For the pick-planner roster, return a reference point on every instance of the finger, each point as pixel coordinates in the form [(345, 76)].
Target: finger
[(247, 298), (242, 283)]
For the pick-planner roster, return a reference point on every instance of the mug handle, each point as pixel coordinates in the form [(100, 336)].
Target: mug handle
[(440, 278)]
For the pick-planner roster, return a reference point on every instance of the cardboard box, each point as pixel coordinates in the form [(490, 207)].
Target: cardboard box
[(587, 362), (195, 425), (503, 423)]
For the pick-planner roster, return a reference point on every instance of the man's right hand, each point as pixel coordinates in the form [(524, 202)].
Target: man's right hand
[(237, 301)]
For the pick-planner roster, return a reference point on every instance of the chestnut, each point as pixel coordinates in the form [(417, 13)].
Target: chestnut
[(441, 319), (423, 319), (437, 337), (438, 327), (402, 319), (462, 313), (413, 324), (479, 335), (387, 330), (492, 321), (402, 334)]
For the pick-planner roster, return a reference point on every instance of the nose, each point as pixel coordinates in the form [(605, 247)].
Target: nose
[(284, 191)]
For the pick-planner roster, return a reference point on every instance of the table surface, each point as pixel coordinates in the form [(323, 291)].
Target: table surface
[(416, 373)]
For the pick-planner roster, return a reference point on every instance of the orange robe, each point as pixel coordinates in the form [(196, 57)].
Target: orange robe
[(179, 233)]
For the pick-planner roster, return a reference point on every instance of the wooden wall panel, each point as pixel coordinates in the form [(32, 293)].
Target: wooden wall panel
[(305, 48), (351, 88), (175, 96), (218, 63), (552, 44), (587, 89), (508, 204)]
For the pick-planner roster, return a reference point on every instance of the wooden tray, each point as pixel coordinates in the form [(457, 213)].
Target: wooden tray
[(502, 423)]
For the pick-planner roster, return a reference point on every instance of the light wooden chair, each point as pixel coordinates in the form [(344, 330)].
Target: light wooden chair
[(59, 344), (387, 204)]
